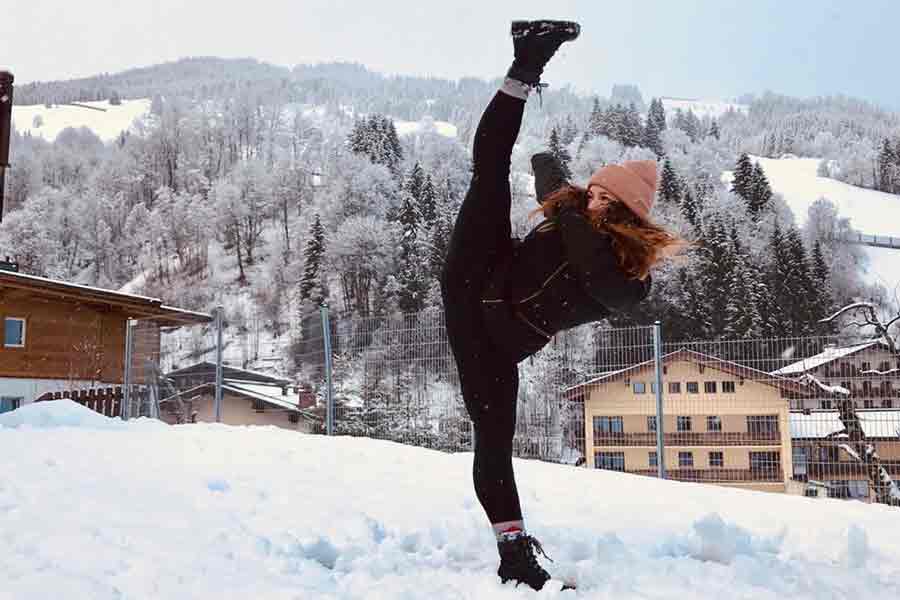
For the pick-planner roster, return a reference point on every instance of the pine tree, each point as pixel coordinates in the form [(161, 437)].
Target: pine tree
[(801, 290), (887, 168), (631, 130), (778, 305), (656, 124), (310, 283), (670, 188), (760, 192), (595, 121), (558, 150), (442, 229), (568, 132), (821, 274), (743, 177), (714, 129), (690, 208), (411, 268), (428, 203)]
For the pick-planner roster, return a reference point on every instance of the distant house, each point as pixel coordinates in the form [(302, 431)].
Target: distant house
[(868, 371), (248, 398), (60, 336), (724, 423)]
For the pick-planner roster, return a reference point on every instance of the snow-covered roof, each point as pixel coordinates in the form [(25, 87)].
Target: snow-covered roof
[(819, 424), (827, 356), (205, 366), (133, 305), (268, 393)]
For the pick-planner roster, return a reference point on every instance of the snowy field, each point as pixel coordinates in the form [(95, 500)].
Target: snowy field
[(103, 119), (95, 508)]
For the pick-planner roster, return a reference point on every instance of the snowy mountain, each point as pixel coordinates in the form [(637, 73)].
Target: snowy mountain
[(211, 511)]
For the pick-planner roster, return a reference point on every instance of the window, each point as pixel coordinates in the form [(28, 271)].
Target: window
[(653, 459), (845, 370), (764, 462), (652, 387), (868, 404), (693, 387), (674, 387), (867, 366), (811, 492), (762, 424), (716, 459), (884, 366), (713, 423), (887, 403), (825, 404), (709, 387), (727, 387), (13, 332), (685, 459), (639, 387), (867, 388), (683, 423), (293, 417), (838, 489), (610, 461), (259, 406), (7, 404), (886, 388), (800, 460), (608, 425), (651, 423)]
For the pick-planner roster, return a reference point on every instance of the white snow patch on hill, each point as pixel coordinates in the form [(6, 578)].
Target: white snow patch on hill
[(210, 512), (870, 212), (104, 119), (701, 108), (424, 126)]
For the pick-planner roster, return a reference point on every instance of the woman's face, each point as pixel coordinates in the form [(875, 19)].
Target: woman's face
[(600, 199)]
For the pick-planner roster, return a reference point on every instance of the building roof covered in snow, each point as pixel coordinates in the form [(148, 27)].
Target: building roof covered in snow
[(876, 424), (829, 355), (132, 305), (726, 366), (207, 371)]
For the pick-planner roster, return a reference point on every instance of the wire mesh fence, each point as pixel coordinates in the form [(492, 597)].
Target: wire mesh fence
[(817, 416)]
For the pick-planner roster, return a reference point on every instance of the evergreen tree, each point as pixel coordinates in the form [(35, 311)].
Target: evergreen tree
[(887, 168), (760, 192), (778, 305), (821, 275), (670, 188), (441, 230), (568, 132), (742, 316), (311, 286), (595, 121), (411, 272), (714, 129), (743, 177), (656, 124), (801, 290), (631, 130), (428, 203), (558, 150), (690, 208), (376, 137)]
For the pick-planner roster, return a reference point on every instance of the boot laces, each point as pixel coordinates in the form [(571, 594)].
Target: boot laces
[(532, 542)]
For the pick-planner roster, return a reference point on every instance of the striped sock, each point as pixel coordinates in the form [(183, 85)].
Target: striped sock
[(508, 530)]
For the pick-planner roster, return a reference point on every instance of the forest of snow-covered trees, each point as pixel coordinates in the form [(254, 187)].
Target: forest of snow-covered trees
[(299, 181)]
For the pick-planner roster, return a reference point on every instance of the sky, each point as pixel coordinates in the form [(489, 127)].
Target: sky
[(711, 49)]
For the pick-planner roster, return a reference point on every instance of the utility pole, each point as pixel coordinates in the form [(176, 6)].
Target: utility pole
[(6, 100)]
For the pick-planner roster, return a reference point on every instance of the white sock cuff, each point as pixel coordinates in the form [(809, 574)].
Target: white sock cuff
[(507, 529), (515, 88)]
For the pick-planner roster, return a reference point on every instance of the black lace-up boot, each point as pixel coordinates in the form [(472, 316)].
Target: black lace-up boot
[(534, 43), (518, 561)]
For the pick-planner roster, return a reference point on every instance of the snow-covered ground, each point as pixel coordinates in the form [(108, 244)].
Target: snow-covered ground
[(701, 108), (870, 212), (103, 119), (425, 125), (100, 509)]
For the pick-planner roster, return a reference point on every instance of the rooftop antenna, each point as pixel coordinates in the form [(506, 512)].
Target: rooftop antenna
[(6, 100)]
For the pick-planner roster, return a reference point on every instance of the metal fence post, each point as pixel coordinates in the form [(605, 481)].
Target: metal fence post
[(126, 380), (329, 392), (219, 375), (660, 426)]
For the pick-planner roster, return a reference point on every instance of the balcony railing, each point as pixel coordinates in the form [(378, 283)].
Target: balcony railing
[(690, 438), (719, 475)]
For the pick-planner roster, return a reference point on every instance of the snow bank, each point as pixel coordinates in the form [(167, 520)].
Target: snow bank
[(104, 119), (209, 511), (57, 413)]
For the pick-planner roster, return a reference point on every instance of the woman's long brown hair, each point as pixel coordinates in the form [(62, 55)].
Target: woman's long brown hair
[(638, 244)]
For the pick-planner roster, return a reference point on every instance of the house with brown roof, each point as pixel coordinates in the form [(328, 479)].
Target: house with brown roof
[(60, 336), (724, 423)]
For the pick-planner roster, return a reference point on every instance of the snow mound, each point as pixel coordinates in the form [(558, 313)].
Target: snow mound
[(211, 511), (57, 413)]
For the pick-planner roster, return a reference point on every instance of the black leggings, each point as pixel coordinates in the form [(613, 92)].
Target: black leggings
[(481, 239)]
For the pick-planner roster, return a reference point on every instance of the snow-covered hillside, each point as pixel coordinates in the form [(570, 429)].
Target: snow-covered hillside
[(104, 119), (870, 211), (100, 509), (701, 108)]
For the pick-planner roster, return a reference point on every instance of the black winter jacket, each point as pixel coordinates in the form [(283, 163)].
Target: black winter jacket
[(563, 274)]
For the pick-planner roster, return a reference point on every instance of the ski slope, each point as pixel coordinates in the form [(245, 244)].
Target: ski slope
[(701, 108), (102, 118), (100, 509)]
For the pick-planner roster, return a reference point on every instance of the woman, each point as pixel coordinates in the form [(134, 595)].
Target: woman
[(504, 301)]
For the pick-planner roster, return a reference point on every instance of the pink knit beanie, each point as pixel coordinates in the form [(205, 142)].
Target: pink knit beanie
[(633, 182)]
